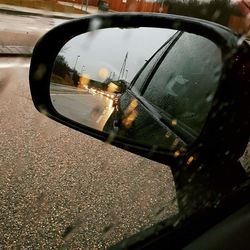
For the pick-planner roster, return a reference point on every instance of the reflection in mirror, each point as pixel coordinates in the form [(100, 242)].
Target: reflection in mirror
[(93, 69), (150, 85)]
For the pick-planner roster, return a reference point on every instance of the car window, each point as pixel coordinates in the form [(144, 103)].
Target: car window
[(142, 76), (184, 78)]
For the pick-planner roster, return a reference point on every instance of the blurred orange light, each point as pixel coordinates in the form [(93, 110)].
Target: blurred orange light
[(112, 87), (128, 120), (174, 122), (190, 160), (176, 153), (84, 81), (103, 73)]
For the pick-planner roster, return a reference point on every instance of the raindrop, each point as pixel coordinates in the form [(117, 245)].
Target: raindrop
[(209, 98), (108, 228), (216, 15), (111, 137), (95, 24), (168, 134), (176, 223), (174, 122), (160, 211), (3, 83), (216, 203), (40, 72), (241, 40), (176, 153), (96, 112), (43, 110), (176, 25), (190, 160), (67, 231)]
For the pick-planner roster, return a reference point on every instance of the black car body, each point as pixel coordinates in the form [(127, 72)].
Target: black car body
[(183, 100)]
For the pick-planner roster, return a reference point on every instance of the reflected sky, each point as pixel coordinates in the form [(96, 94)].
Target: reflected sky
[(101, 54)]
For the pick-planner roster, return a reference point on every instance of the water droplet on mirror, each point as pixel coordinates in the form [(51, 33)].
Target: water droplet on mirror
[(216, 14), (209, 98), (176, 223), (112, 87), (95, 24), (241, 40), (176, 25), (111, 137), (190, 160), (96, 112), (103, 73), (43, 110), (129, 119), (84, 81), (40, 72), (216, 203), (168, 134), (177, 153), (174, 122), (108, 228)]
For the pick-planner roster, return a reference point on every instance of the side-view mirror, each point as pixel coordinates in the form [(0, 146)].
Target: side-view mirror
[(160, 86)]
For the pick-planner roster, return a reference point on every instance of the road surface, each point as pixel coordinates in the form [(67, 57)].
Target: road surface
[(61, 189), (24, 30), (83, 106)]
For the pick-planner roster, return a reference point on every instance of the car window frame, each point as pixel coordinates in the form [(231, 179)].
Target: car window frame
[(168, 44), (187, 136), (181, 130)]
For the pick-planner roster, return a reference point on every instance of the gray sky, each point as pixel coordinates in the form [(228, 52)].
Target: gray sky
[(105, 50)]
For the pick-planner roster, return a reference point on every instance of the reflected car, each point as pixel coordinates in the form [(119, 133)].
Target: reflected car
[(173, 102)]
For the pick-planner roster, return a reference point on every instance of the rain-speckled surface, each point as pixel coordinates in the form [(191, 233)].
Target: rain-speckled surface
[(62, 189)]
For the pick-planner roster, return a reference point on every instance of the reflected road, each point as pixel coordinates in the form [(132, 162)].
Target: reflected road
[(82, 106)]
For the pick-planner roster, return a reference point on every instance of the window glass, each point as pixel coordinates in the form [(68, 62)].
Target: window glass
[(142, 78), (185, 82)]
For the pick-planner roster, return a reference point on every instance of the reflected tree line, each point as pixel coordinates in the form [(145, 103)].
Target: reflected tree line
[(64, 74), (218, 11)]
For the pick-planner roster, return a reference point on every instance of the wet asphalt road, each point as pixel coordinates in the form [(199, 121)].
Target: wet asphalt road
[(60, 189), (24, 30)]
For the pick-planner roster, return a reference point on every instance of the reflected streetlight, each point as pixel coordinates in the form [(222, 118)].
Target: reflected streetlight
[(83, 68), (76, 61), (126, 75)]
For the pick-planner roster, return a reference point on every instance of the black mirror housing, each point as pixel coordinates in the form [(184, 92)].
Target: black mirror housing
[(230, 113)]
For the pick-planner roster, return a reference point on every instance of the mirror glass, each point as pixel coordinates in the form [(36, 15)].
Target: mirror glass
[(153, 86)]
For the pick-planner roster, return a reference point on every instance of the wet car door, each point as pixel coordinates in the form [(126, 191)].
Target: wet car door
[(131, 114), (163, 94)]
